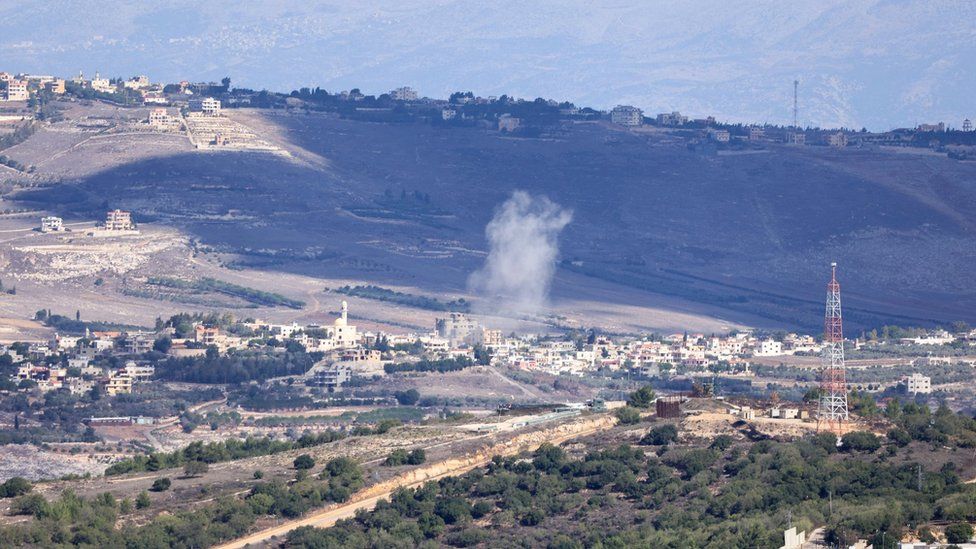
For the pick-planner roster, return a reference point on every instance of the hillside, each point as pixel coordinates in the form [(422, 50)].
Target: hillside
[(874, 63), (746, 234)]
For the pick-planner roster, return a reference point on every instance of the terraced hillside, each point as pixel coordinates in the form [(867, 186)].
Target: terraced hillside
[(749, 233)]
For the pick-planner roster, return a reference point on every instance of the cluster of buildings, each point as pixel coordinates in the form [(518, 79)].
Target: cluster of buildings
[(117, 222), (20, 87)]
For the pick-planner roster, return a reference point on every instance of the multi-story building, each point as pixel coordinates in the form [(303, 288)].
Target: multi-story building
[(940, 127), (796, 138), (768, 347), (838, 139), (55, 86), (756, 133), (967, 125), (331, 377), (918, 384), (674, 118), (103, 85), (51, 224), (137, 82), (457, 328), (508, 123), (626, 115), (159, 118), (406, 93), (118, 383), (210, 106), (17, 90), (118, 220), (719, 136)]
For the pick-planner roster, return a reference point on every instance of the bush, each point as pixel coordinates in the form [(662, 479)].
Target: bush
[(29, 504), (721, 443), (16, 486), (960, 532), (628, 415), (900, 437), (860, 441), (397, 457), (195, 468), (304, 461), (143, 501), (660, 436), (408, 397), (161, 484), (642, 398)]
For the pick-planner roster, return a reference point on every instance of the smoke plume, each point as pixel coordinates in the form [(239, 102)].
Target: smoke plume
[(523, 237)]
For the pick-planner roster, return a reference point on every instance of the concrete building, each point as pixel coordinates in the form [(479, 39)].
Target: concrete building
[(768, 347), (331, 378), (406, 93), (207, 335), (55, 86), (159, 118), (17, 90), (796, 138), (967, 125), (52, 224), (838, 139), (719, 136), (118, 220), (756, 133), (940, 127), (102, 85), (344, 335), (508, 123), (917, 384), (457, 328), (118, 383), (626, 115), (671, 119), (137, 82), (448, 114)]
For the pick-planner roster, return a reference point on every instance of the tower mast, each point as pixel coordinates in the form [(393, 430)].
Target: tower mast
[(833, 377), (796, 84)]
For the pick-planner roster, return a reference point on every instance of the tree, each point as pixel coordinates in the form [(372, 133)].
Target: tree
[(860, 441), (642, 398), (628, 415), (163, 344), (195, 468), (161, 484), (959, 532), (16, 486), (304, 461), (416, 456), (408, 397), (142, 500), (660, 436)]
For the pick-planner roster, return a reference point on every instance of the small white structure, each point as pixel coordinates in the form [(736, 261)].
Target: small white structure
[(210, 106), (793, 539), (769, 347), (118, 220), (52, 224), (919, 384)]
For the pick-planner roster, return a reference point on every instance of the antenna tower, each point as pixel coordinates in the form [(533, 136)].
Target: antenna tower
[(796, 84), (833, 378)]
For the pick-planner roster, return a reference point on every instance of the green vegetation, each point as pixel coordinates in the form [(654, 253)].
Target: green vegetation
[(216, 452), (211, 285), (628, 415), (418, 301), (642, 398), (426, 365), (403, 457), (304, 461), (16, 486), (161, 484), (236, 366), (660, 436)]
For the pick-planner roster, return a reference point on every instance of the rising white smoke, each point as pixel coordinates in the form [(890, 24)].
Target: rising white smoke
[(524, 241)]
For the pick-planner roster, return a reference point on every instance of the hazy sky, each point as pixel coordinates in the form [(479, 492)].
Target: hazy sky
[(875, 63)]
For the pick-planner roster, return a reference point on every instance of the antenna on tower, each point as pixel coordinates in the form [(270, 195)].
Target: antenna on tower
[(796, 84), (833, 375)]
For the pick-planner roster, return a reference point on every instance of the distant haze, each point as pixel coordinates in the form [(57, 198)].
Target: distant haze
[(874, 63), (523, 240)]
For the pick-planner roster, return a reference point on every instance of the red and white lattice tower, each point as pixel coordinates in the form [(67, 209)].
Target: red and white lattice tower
[(833, 378)]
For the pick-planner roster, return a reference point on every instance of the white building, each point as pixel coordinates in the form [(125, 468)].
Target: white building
[(118, 220), (671, 119), (406, 93), (210, 106), (17, 90), (52, 224), (158, 118), (719, 136), (102, 84), (768, 347), (625, 115), (838, 140), (918, 384)]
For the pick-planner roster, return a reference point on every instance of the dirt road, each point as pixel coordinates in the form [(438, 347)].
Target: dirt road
[(368, 498)]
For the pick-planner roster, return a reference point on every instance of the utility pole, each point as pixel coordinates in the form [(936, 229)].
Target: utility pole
[(796, 84)]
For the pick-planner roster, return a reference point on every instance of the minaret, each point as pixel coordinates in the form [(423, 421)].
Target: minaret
[(345, 312)]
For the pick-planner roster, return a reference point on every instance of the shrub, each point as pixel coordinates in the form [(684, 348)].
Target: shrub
[(628, 415), (860, 441), (16, 486), (959, 532), (161, 484), (660, 436), (642, 398), (142, 500), (195, 468), (408, 397), (304, 461)]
